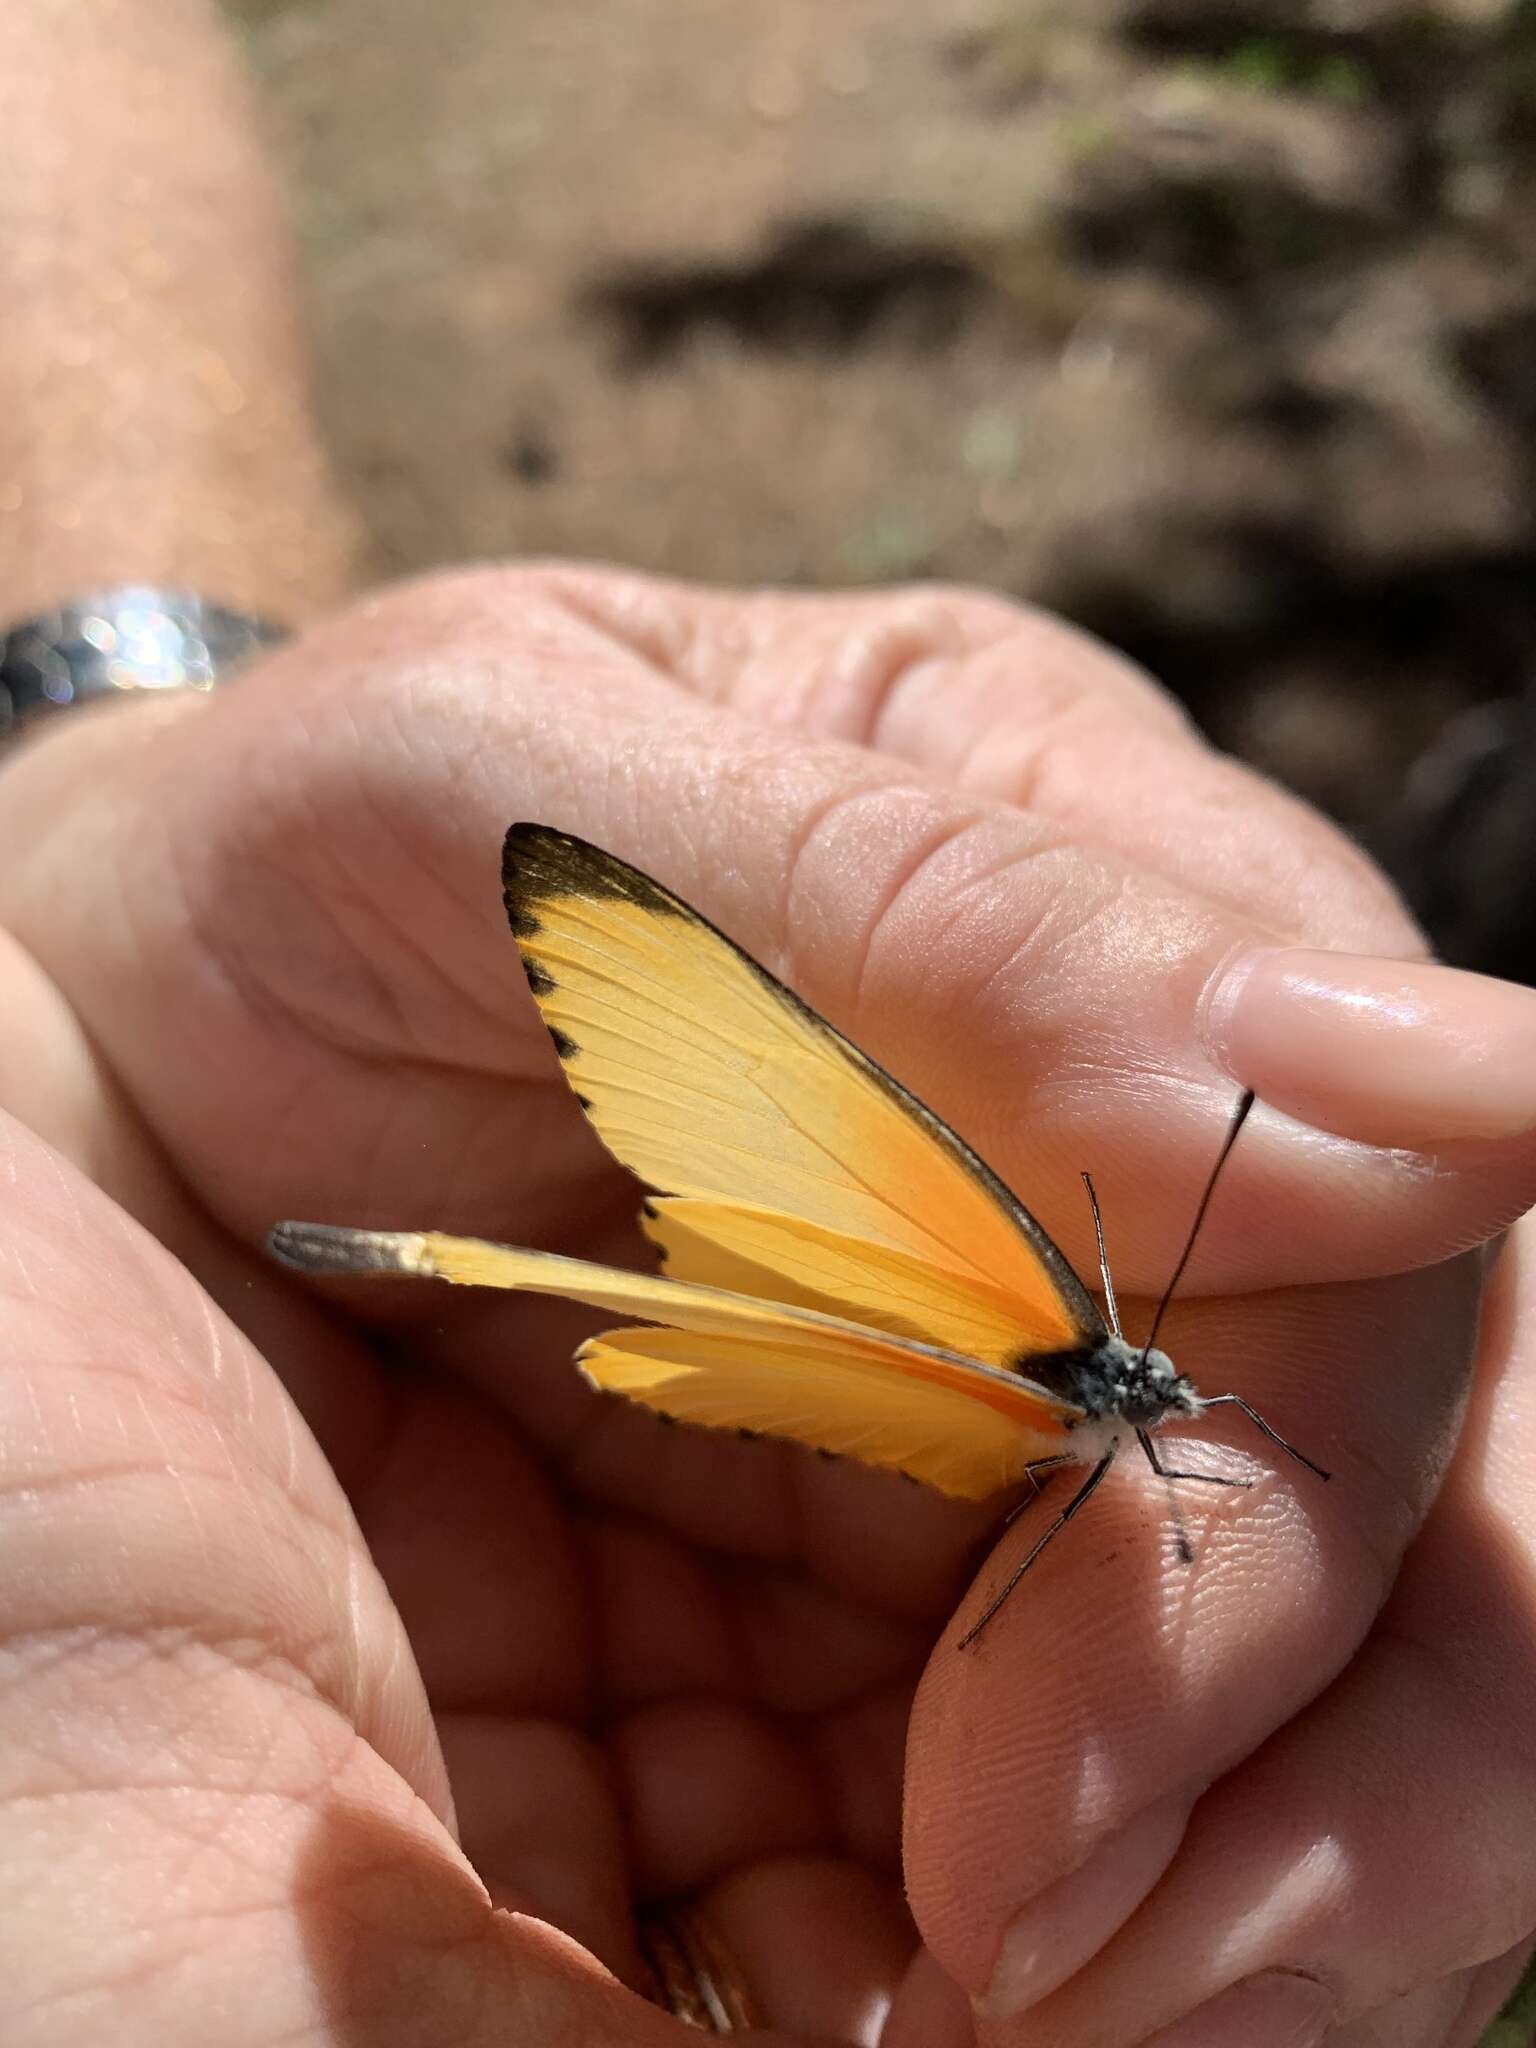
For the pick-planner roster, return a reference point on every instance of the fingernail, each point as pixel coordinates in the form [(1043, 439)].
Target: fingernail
[(1055, 1934), (1392, 1052), (1273, 2010)]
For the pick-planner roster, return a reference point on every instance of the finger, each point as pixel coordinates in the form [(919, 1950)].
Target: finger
[(820, 1944), (1057, 1770), (302, 974), (1005, 701), (1417, 1761)]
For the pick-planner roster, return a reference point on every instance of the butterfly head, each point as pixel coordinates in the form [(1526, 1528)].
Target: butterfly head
[(1142, 1388)]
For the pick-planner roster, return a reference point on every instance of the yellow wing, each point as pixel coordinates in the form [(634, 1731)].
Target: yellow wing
[(729, 1360), (831, 1401), (754, 1251), (710, 1079)]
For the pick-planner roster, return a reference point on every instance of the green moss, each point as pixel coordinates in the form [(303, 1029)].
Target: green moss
[(1275, 64), (1343, 80), (895, 542), (1261, 64)]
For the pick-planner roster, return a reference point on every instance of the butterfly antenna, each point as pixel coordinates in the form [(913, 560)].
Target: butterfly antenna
[(1238, 1121), (1098, 1231)]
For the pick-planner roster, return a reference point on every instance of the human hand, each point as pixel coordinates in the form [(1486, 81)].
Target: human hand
[(266, 974)]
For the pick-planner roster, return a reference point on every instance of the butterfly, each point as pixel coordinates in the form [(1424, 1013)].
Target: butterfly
[(837, 1265)]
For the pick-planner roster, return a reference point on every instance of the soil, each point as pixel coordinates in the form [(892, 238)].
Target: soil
[(1211, 325)]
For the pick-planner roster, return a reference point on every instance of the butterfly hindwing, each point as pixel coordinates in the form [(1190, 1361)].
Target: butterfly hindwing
[(733, 1360), (838, 1402)]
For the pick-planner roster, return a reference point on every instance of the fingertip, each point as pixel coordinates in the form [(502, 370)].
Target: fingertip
[(1386, 1051)]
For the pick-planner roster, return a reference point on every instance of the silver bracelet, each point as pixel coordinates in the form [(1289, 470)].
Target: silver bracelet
[(112, 642)]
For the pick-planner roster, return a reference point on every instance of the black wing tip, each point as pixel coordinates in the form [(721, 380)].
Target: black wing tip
[(525, 841), (539, 862)]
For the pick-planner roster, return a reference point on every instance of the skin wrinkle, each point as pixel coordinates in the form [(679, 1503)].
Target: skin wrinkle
[(178, 1478), (1045, 648), (241, 1653), (836, 1748), (330, 1684), (816, 821), (669, 637), (198, 1841), (1054, 725), (836, 1794), (398, 1019), (267, 1006), (170, 1642), (851, 701), (210, 927), (963, 649), (254, 991), (897, 890), (576, 604), (239, 1476), (1044, 932), (465, 993), (760, 1651), (57, 1485)]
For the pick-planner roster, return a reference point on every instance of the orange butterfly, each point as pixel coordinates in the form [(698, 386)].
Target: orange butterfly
[(840, 1267)]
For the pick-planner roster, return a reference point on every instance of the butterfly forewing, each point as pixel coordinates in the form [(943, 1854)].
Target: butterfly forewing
[(709, 1079)]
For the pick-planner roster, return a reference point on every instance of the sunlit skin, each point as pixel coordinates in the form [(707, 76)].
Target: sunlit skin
[(264, 971)]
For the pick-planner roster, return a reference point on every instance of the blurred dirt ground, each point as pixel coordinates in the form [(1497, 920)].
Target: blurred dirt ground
[(1210, 324)]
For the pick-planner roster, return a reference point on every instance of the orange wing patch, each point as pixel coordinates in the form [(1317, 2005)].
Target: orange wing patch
[(940, 1428), (787, 1258)]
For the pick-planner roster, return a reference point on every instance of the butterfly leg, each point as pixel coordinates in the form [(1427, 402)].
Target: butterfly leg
[(1035, 1488), (1253, 1415), (1078, 1500), (1165, 1472), (1184, 1550)]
